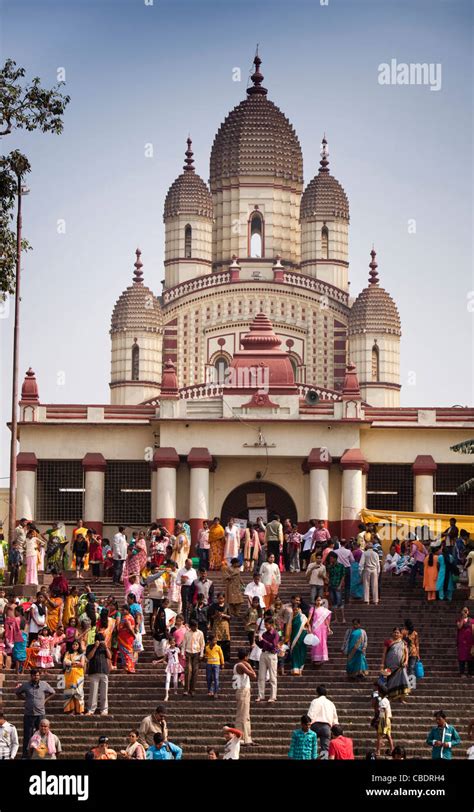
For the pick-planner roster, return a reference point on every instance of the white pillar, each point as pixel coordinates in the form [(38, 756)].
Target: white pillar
[(199, 462), (318, 463), (352, 464), (199, 493), (25, 494), (351, 494), (94, 490), (94, 466), (165, 464), (26, 465), (319, 493), (165, 482), (424, 469), (424, 495)]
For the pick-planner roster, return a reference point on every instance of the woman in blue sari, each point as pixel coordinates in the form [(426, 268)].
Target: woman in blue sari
[(355, 649), (445, 582)]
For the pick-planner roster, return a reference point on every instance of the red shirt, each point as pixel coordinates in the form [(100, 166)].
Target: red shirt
[(341, 749)]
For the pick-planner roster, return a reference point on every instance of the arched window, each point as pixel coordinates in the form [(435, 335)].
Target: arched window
[(295, 368), (188, 237), (221, 364), (324, 243), (256, 235), (375, 363), (135, 362)]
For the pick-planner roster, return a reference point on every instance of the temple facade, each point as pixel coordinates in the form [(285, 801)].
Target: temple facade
[(253, 381)]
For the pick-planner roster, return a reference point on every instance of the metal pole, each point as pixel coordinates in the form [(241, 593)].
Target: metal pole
[(16, 341)]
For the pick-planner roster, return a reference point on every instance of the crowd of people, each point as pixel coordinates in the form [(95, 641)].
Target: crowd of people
[(166, 594)]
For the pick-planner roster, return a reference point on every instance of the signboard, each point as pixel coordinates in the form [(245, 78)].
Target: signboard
[(256, 512), (256, 500)]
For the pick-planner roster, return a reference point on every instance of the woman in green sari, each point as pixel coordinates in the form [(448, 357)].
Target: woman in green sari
[(297, 629)]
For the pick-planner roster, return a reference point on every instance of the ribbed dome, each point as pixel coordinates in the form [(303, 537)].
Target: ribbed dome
[(324, 196), (188, 194), (137, 308), (256, 138), (374, 310)]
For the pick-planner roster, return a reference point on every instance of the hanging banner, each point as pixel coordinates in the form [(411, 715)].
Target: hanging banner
[(398, 524)]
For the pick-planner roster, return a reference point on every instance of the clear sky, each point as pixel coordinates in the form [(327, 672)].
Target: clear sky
[(143, 74)]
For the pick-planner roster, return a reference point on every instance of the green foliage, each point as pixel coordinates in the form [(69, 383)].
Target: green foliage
[(30, 107), (466, 447)]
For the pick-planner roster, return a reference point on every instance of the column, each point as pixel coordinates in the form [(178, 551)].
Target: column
[(26, 465), (352, 464), (318, 464), (365, 471), (94, 466), (165, 464), (424, 469), (199, 461)]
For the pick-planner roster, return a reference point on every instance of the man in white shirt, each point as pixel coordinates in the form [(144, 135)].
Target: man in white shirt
[(316, 573), (20, 534), (255, 589), (193, 649), (119, 553), (369, 567), (323, 715), (8, 739), (186, 577), (307, 545), (271, 579)]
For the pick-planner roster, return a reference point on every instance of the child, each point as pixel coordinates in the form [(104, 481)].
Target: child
[(254, 613), (19, 649), (282, 651), (232, 738), (214, 662), (45, 651), (212, 754), (385, 721), (173, 667), (80, 549), (109, 563), (3, 654), (3, 603), (59, 644)]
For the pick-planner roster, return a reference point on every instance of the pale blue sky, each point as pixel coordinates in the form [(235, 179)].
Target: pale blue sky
[(142, 74)]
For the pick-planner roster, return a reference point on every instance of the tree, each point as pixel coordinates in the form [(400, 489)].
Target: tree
[(466, 447), (30, 107)]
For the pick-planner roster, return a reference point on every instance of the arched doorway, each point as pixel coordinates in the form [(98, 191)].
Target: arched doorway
[(258, 498)]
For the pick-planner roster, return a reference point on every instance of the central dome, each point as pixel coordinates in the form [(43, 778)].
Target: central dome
[(256, 138)]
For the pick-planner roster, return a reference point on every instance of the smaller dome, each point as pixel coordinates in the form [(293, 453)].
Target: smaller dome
[(324, 196), (137, 308), (374, 310), (188, 194), (29, 389)]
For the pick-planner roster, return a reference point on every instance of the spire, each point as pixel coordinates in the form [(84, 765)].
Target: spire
[(324, 163), (29, 390), (138, 273), (373, 275), (189, 161), (257, 78)]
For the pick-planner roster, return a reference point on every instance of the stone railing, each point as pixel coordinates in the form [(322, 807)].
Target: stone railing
[(291, 278), (205, 390), (323, 394), (300, 280), (195, 285)]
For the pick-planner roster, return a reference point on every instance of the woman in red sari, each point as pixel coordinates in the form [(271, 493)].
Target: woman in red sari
[(136, 561), (126, 639)]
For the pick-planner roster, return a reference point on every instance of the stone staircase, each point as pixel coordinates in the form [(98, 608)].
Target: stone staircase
[(195, 723)]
